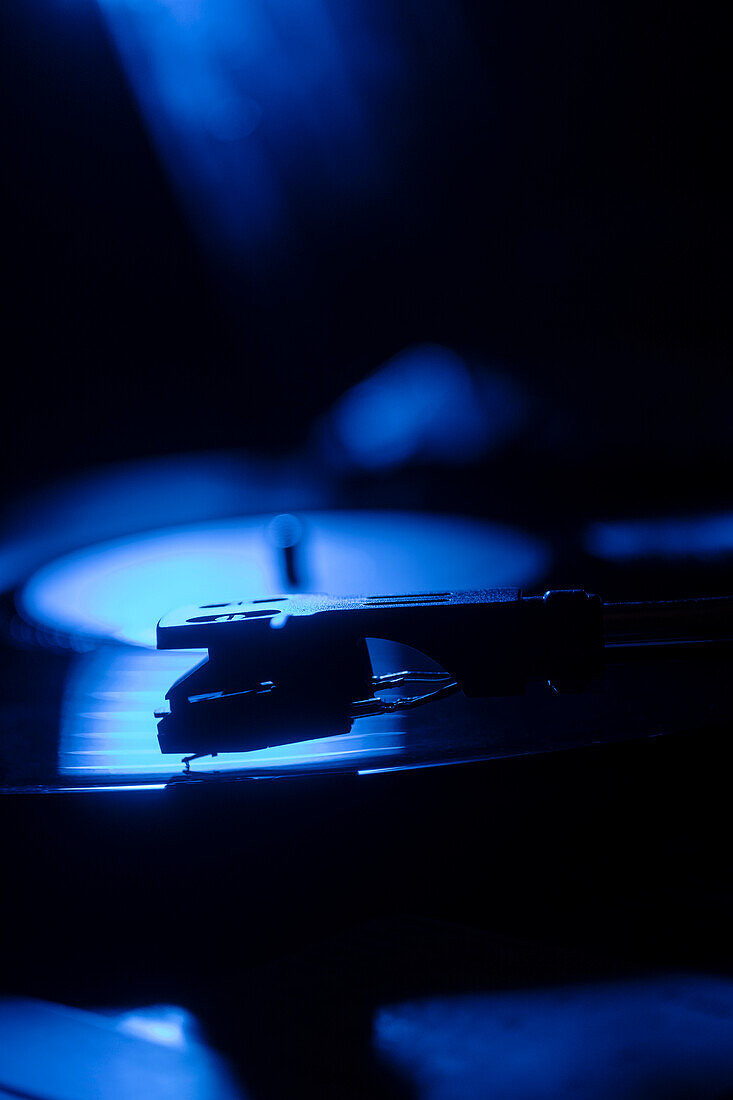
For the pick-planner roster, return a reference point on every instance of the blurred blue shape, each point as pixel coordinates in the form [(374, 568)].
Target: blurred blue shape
[(247, 99), (60, 1053), (118, 590), (671, 537), (663, 1037), (426, 404), (126, 498), (169, 1025)]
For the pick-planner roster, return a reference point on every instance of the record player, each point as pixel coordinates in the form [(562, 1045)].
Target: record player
[(536, 760), (366, 581), (93, 612)]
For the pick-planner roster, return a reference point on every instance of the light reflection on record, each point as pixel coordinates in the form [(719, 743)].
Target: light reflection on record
[(108, 732), (108, 729)]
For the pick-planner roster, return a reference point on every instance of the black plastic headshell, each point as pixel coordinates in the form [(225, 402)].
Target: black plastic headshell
[(297, 667)]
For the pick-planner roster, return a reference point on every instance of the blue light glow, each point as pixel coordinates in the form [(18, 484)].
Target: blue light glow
[(125, 498), (168, 1025), (99, 788), (119, 590), (670, 1036), (251, 102), (670, 537), (426, 404), (52, 1050)]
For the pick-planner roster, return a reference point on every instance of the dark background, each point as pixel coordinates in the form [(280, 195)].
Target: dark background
[(556, 198)]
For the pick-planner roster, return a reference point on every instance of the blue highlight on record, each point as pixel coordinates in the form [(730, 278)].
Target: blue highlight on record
[(119, 590), (108, 729)]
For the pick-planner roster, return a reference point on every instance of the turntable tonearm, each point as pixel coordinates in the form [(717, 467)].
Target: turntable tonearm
[(291, 668)]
